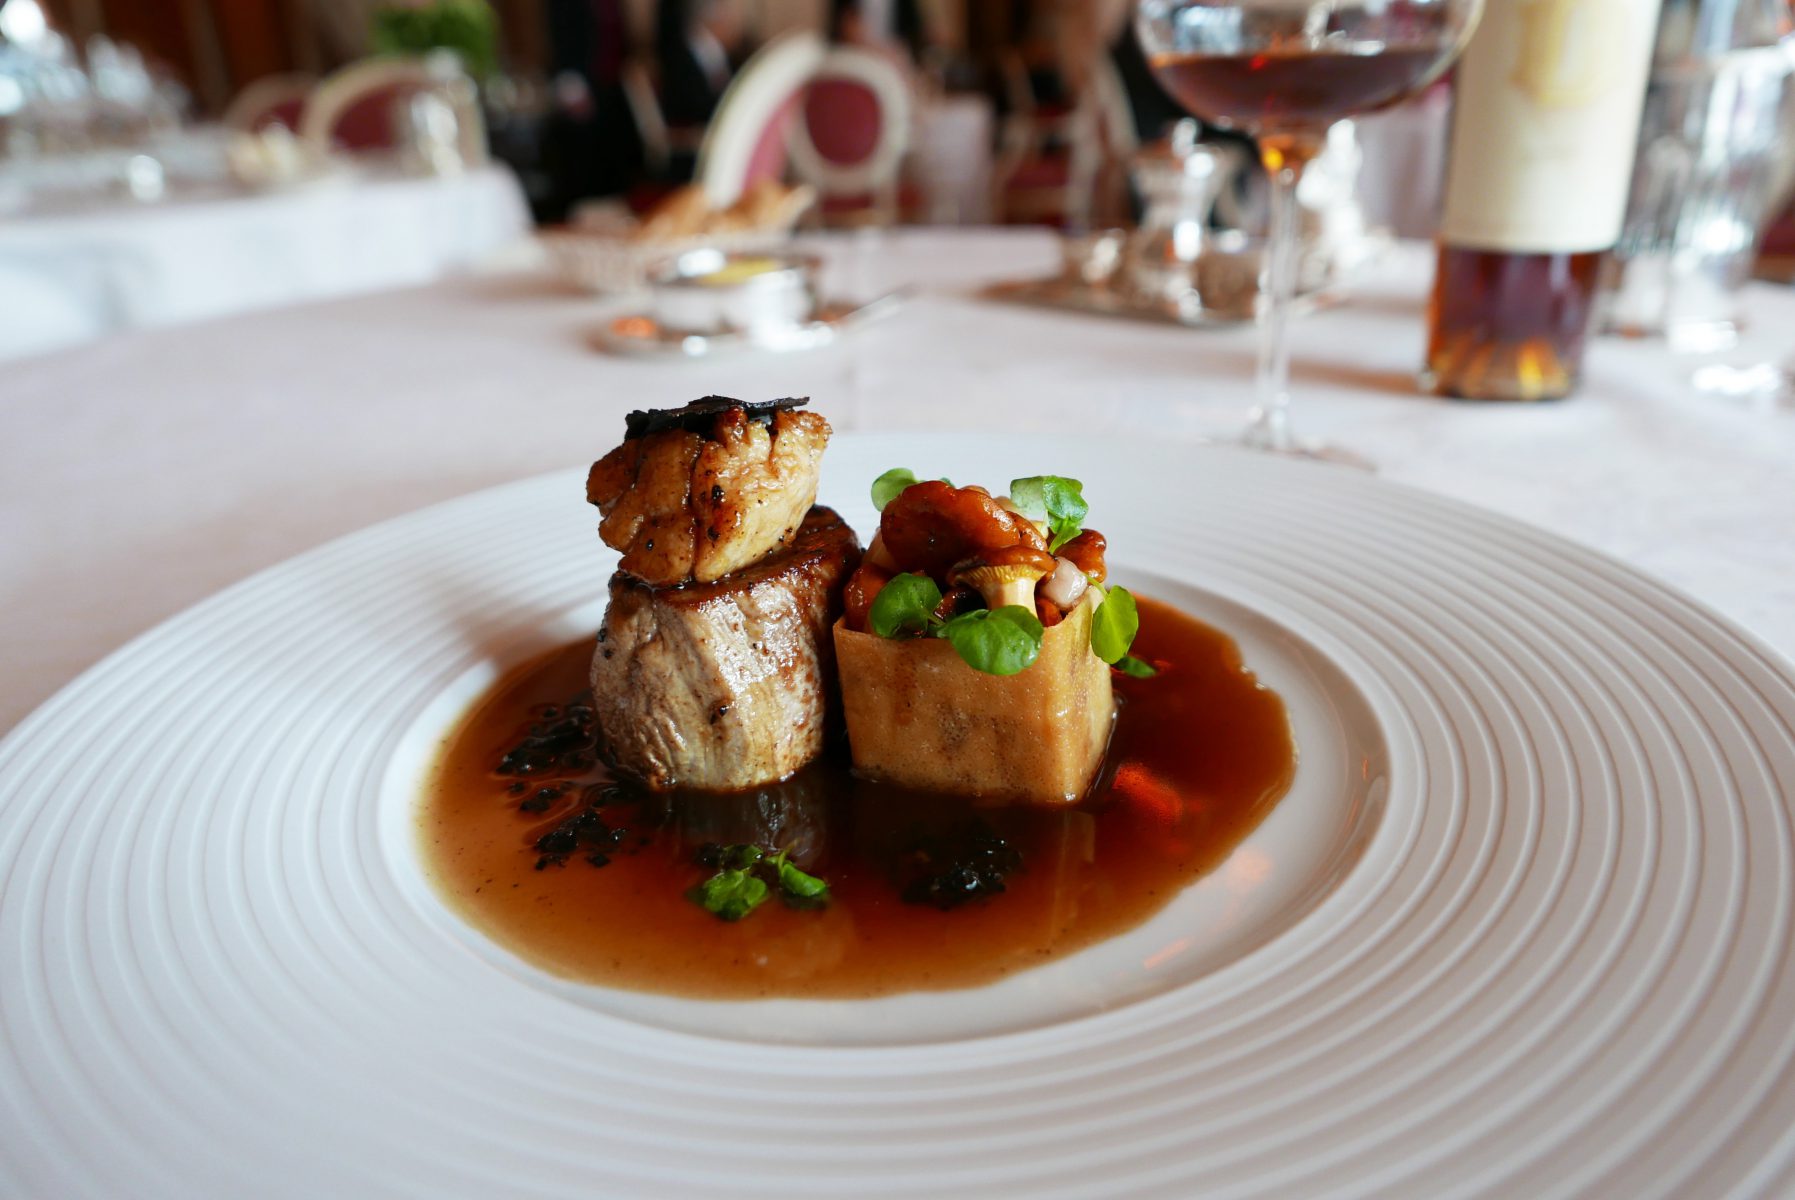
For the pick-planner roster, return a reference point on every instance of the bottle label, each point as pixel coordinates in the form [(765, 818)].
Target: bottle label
[(1548, 98)]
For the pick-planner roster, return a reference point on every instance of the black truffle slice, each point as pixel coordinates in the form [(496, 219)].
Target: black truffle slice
[(696, 416)]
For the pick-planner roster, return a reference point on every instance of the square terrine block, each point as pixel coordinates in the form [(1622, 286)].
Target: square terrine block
[(919, 716)]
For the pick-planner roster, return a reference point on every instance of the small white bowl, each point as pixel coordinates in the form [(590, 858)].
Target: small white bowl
[(606, 262), (713, 291)]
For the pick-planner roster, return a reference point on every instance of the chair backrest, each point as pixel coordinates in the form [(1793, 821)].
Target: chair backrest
[(1115, 118), (855, 125), (746, 141), (354, 106), (270, 100), (1103, 140)]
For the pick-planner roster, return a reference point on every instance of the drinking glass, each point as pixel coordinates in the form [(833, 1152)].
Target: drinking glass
[(1711, 144), (1284, 71)]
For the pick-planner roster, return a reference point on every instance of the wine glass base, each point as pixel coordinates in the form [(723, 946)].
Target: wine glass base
[(1255, 438)]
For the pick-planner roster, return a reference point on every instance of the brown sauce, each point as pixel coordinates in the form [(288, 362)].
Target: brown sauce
[(1201, 753)]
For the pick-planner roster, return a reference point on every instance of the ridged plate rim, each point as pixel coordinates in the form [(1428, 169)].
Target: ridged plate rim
[(1570, 976)]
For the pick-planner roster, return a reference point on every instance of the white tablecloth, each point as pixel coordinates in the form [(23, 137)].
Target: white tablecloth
[(146, 471), (68, 278)]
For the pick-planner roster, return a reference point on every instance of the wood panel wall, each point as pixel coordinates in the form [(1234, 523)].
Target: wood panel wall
[(215, 47)]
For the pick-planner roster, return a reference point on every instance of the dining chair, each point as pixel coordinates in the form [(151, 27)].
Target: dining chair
[(746, 141), (853, 132), (1031, 174), (353, 107), (1113, 146), (1070, 170), (271, 100)]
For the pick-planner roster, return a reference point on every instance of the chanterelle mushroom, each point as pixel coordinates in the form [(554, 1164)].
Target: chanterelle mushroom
[(1005, 576)]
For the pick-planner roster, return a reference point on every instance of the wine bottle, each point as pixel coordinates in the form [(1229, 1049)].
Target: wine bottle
[(1546, 109)]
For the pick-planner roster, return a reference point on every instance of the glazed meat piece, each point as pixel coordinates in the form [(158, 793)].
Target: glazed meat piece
[(724, 686), (695, 493)]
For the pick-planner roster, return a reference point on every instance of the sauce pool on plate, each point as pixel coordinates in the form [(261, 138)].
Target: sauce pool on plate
[(534, 844)]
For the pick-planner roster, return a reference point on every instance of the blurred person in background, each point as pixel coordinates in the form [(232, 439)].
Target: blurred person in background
[(890, 26), (1153, 110), (698, 45), (593, 148), (691, 48)]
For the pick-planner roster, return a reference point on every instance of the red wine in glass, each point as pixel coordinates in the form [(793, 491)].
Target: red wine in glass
[(1284, 71), (1300, 89)]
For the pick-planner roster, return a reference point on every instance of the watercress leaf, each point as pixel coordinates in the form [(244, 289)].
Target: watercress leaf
[(731, 894), (887, 486), (1114, 625), (1028, 495), (800, 884), (1128, 664), (906, 604), (1000, 641), (1055, 499)]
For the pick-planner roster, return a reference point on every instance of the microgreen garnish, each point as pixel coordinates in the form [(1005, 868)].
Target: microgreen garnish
[(748, 876), (1054, 499), (997, 642), (887, 486), (732, 893), (906, 604), (1000, 641), (796, 884), (1113, 627)]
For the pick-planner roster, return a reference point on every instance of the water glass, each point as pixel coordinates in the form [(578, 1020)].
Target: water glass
[(1709, 150)]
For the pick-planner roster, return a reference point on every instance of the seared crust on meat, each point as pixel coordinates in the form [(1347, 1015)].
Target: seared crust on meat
[(725, 685), (686, 505), (643, 489)]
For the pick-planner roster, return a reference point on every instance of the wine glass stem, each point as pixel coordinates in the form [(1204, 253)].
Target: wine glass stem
[(1284, 159)]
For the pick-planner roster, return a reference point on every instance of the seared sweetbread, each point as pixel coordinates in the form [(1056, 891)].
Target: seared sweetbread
[(695, 493)]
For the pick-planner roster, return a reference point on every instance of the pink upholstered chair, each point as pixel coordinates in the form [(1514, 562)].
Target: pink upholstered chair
[(353, 108), (270, 100), (1086, 178), (854, 131), (747, 139)]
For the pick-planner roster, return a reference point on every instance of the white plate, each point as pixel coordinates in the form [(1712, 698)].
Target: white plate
[(1522, 929)]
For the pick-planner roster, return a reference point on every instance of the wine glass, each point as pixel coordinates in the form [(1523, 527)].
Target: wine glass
[(1284, 71)]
